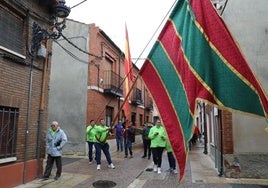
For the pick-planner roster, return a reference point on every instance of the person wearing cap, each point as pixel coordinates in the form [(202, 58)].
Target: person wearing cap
[(55, 140), (158, 138)]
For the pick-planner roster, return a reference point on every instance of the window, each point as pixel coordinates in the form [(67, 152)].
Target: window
[(109, 115), (8, 131), (11, 27)]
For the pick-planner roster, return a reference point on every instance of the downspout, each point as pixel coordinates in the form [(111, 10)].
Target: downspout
[(41, 114), (205, 129), (28, 120), (28, 105), (221, 144)]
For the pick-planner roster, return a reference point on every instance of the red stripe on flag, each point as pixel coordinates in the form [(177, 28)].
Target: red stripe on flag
[(168, 115), (221, 38), (129, 75), (193, 87)]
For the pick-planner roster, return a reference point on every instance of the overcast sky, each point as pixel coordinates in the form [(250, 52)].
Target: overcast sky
[(142, 17)]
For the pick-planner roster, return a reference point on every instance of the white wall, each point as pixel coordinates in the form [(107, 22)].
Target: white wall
[(68, 86), (248, 22)]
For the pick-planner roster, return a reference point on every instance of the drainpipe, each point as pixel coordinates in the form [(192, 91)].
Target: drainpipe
[(221, 144), (28, 121), (205, 129), (28, 105), (41, 114)]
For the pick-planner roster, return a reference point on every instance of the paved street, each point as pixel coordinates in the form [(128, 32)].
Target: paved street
[(137, 173)]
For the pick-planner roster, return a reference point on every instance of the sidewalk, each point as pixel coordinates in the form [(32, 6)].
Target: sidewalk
[(137, 173)]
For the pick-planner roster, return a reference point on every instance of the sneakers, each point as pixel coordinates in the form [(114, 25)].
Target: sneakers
[(111, 166), (175, 171), (155, 168), (98, 167), (143, 156), (158, 170), (90, 162)]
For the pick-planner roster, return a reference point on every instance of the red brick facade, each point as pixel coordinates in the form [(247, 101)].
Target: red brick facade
[(26, 90), (227, 132), (112, 59)]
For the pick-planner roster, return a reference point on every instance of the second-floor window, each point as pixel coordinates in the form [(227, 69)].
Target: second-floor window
[(11, 27)]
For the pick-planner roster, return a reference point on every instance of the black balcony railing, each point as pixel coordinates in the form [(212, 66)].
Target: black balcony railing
[(112, 83), (136, 98), (149, 104)]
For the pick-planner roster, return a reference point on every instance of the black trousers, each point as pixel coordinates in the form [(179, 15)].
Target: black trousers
[(49, 166), (147, 147), (157, 155)]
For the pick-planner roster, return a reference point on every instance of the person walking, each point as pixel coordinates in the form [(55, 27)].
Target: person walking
[(101, 144), (146, 141), (90, 130), (129, 135), (119, 131), (55, 140), (158, 138), (171, 159)]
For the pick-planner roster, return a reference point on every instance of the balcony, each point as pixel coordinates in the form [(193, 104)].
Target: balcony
[(136, 98), (112, 84), (149, 104)]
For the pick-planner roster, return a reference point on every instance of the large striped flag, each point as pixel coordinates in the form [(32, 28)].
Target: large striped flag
[(195, 57), (128, 75)]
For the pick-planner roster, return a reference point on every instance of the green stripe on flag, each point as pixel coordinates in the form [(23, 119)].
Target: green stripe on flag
[(211, 68), (174, 87)]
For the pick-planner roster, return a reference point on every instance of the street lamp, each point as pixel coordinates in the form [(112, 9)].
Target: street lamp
[(60, 11)]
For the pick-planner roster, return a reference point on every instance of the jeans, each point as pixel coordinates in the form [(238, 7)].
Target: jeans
[(90, 151), (105, 148), (49, 166), (119, 142), (128, 147)]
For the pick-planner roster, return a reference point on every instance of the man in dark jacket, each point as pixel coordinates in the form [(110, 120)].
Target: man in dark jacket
[(129, 137)]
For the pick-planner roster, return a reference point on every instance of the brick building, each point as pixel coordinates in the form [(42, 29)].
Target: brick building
[(106, 84), (90, 86), (24, 78)]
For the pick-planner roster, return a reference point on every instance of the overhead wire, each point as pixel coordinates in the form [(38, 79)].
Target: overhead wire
[(70, 53), (139, 57)]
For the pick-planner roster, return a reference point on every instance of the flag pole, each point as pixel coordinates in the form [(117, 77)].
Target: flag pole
[(126, 98)]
